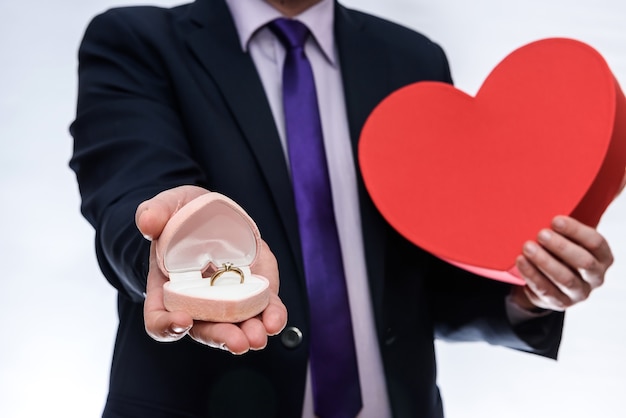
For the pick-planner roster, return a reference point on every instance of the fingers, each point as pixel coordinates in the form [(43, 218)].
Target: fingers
[(152, 215), (565, 264), (251, 334), (275, 316), (168, 326), (255, 333), (540, 288), (236, 338), (590, 240), (229, 337)]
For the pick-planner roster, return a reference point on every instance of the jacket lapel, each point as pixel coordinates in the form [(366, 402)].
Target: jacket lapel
[(366, 83), (214, 41)]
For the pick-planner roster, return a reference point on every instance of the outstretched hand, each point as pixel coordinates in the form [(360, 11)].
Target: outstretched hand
[(162, 325), (563, 266)]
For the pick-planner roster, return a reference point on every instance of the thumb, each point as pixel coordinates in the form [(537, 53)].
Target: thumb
[(152, 215)]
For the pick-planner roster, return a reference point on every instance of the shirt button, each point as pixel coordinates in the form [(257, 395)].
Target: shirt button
[(291, 337)]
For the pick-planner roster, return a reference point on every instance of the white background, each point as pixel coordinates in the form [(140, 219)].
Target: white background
[(58, 312)]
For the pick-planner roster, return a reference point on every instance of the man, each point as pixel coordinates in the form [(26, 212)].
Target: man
[(176, 102)]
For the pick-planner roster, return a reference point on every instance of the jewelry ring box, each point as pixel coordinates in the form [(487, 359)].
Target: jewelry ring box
[(206, 249)]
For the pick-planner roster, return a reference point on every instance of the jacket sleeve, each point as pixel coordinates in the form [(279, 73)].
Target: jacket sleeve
[(467, 307), (129, 143)]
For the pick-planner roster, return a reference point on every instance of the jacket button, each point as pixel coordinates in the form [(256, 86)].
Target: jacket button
[(291, 337)]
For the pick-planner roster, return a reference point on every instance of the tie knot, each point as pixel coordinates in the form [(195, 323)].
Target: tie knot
[(291, 33)]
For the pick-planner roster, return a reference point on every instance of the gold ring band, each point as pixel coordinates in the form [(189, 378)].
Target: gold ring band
[(225, 268)]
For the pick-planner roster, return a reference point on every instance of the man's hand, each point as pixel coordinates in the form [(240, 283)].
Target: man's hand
[(162, 325), (563, 266)]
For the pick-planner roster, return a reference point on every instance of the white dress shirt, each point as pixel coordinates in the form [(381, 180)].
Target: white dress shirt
[(268, 55)]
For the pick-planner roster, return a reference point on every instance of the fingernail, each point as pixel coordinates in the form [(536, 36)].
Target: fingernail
[(530, 248), (179, 329), (545, 235), (148, 237), (558, 222), (521, 262)]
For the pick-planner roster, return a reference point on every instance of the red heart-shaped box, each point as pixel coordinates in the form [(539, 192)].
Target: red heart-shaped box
[(205, 235), (470, 179)]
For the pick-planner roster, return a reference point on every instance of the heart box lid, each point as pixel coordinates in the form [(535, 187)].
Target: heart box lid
[(206, 249)]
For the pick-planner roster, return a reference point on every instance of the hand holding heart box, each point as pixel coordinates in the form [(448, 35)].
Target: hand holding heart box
[(206, 249), (470, 179)]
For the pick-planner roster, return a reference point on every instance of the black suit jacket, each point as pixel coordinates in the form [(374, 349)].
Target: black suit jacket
[(166, 98)]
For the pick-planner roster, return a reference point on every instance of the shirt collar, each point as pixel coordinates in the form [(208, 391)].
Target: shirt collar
[(252, 15)]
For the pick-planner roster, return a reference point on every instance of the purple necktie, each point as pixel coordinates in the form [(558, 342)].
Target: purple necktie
[(334, 372)]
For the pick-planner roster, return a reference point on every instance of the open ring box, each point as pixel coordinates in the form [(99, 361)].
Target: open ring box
[(212, 236)]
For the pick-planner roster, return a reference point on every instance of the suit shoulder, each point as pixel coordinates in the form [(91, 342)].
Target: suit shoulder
[(409, 55), (141, 12), (135, 19), (394, 35), (132, 31)]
